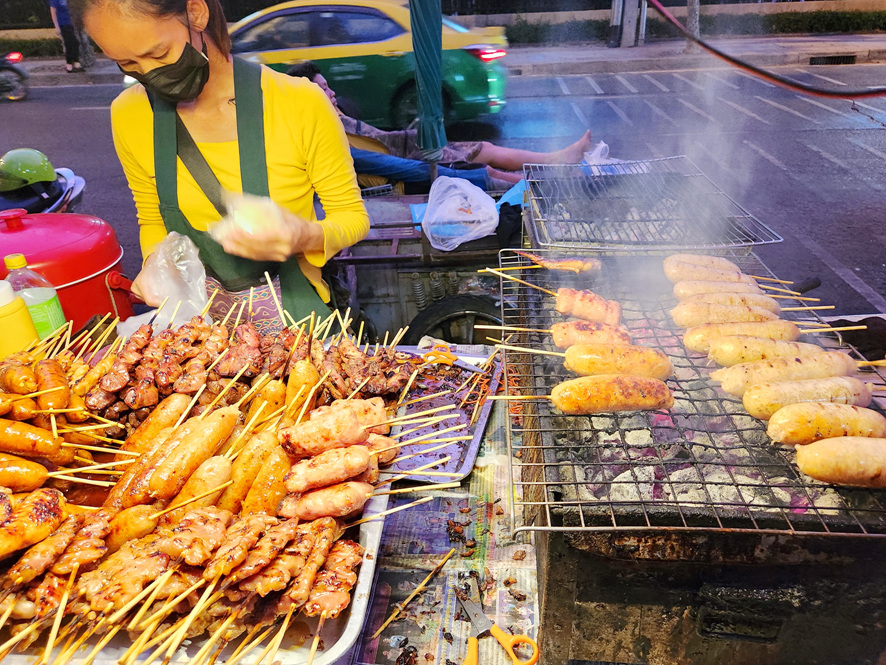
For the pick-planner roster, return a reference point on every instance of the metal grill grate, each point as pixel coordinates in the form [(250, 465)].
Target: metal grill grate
[(705, 465), (665, 203)]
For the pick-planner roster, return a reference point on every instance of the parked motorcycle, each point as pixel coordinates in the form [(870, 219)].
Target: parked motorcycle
[(28, 180), (13, 78)]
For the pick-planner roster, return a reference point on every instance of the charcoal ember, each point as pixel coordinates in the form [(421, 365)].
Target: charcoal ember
[(409, 656)]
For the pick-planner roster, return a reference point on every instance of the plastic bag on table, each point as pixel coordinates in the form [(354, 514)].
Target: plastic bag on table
[(173, 272), (458, 211), (251, 214)]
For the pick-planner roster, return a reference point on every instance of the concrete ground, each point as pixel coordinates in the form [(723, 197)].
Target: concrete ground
[(591, 58)]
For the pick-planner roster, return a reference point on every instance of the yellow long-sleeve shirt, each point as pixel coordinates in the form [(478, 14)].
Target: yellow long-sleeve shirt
[(307, 151)]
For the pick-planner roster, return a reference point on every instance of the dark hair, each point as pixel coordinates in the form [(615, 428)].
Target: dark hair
[(216, 28), (306, 69)]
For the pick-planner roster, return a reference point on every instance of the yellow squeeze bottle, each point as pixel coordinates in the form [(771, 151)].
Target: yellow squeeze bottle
[(16, 328)]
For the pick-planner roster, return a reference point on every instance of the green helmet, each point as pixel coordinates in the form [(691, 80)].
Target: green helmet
[(22, 167)]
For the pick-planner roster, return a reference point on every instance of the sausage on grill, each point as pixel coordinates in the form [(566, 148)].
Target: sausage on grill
[(699, 339), (738, 378), (590, 359), (567, 333), (803, 423), (588, 306), (717, 262), (607, 393), (742, 299), (734, 349), (764, 399), (845, 460), (691, 314), (693, 287), (679, 271)]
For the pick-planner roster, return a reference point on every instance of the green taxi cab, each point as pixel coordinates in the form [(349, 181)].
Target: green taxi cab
[(364, 50)]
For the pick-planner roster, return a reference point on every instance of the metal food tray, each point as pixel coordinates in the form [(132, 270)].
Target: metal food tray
[(705, 465), (463, 453), (339, 635), (660, 203)]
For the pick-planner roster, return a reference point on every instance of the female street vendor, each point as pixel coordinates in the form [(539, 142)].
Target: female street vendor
[(255, 130)]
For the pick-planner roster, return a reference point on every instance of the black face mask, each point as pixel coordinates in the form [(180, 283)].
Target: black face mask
[(182, 80)]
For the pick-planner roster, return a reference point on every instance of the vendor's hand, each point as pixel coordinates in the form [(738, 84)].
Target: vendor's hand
[(139, 288), (288, 235)]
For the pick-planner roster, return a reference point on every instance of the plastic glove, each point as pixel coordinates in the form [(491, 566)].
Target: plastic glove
[(257, 228)]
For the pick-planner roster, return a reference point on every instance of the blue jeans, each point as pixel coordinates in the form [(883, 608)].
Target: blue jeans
[(409, 170)]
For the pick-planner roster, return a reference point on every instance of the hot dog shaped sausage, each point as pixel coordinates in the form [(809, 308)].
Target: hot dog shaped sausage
[(27, 440), (588, 306), (741, 299), (246, 469), (327, 468), (590, 359), (164, 415), (764, 399), (803, 423), (699, 339), (606, 393), (21, 475), (738, 378), (567, 333), (717, 262), (51, 376), (269, 488), (691, 314), (734, 349), (688, 288), (678, 271), (336, 501), (845, 460), (214, 472)]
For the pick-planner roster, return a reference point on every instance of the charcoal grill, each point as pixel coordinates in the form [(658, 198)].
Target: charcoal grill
[(662, 203), (688, 497)]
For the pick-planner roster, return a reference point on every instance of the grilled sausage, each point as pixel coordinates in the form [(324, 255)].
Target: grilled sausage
[(27, 440), (845, 460), (17, 378), (304, 376), (606, 393), (198, 446), (336, 501), (717, 262), (590, 359), (588, 306), (91, 378), (131, 524), (679, 271), (21, 475), (269, 488), (803, 423), (246, 468), (738, 378), (23, 409), (691, 314), (164, 415), (337, 429), (389, 446), (369, 412), (33, 519), (764, 399), (699, 339), (50, 375), (734, 349), (327, 468), (133, 488), (76, 402), (740, 299), (272, 396), (6, 402), (693, 287), (567, 333), (214, 472)]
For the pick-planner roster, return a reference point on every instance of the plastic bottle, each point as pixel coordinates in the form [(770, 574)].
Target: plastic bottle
[(38, 294), (15, 322)]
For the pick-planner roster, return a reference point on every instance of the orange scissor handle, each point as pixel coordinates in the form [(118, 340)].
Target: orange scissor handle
[(473, 652), (440, 353), (509, 641)]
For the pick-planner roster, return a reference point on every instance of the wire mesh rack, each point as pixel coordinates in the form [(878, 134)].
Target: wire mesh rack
[(705, 465), (665, 203)]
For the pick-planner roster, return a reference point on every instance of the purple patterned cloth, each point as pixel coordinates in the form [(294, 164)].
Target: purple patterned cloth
[(265, 314)]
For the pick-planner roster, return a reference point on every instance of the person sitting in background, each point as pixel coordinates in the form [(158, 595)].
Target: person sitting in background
[(403, 143)]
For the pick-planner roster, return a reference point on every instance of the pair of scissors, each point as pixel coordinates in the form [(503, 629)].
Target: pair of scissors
[(481, 625), (441, 354)]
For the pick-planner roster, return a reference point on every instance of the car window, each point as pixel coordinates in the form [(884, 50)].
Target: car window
[(352, 27), (283, 31)]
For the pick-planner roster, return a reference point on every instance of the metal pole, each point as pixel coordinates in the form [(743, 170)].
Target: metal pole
[(692, 11), (641, 38), (615, 23)]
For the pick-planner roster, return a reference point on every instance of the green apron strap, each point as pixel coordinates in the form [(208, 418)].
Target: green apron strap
[(300, 298)]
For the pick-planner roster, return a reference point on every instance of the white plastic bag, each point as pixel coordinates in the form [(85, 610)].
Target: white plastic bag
[(173, 272), (457, 212), (254, 215), (602, 164)]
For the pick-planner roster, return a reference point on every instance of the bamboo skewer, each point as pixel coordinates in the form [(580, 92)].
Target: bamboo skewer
[(840, 329), (520, 281), (414, 472), (86, 481), (204, 651), (424, 423), (92, 467), (316, 642), (778, 290), (407, 387), (174, 314), (807, 308), (401, 606), (454, 428), (384, 513), (217, 360), (234, 449), (423, 452), (427, 397), (208, 303), (190, 406), (99, 449), (771, 279), (276, 299), (523, 349), (397, 338), (411, 416), (57, 621), (246, 649), (418, 488), (222, 392), (202, 495), (169, 605), (158, 587), (358, 388), (274, 644)]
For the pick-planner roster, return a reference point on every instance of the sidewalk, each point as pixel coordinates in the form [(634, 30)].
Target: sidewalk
[(594, 58)]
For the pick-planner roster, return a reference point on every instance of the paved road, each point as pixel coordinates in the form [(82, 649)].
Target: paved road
[(812, 169)]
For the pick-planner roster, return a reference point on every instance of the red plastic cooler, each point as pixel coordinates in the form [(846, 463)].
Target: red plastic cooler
[(79, 254)]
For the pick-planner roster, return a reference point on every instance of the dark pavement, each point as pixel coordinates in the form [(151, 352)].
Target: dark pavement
[(812, 169)]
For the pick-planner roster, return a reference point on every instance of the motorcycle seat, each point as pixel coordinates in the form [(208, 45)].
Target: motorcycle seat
[(33, 198)]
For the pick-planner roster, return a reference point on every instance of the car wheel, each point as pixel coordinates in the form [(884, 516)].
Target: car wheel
[(404, 110), (453, 319)]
